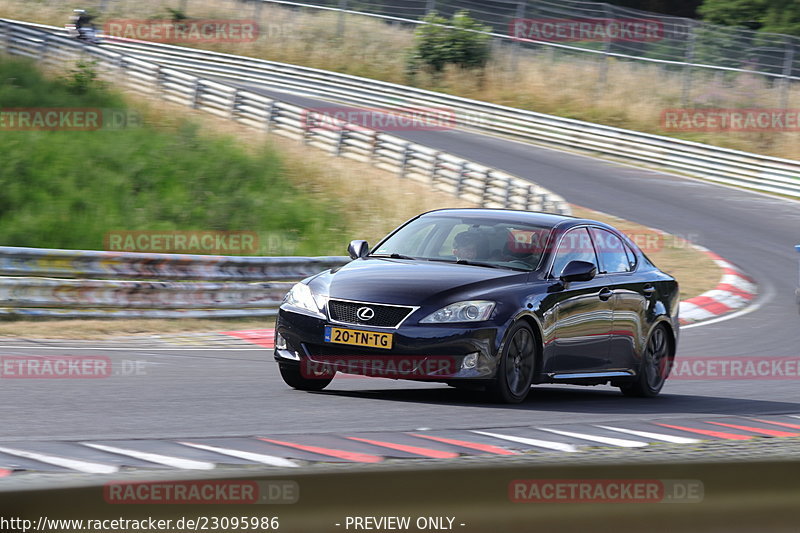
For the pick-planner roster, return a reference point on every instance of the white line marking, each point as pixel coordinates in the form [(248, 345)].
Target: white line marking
[(248, 456), (560, 446), (648, 435), (72, 464), (624, 443), (176, 462)]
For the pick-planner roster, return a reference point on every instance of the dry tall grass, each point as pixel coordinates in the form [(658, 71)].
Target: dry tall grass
[(633, 95)]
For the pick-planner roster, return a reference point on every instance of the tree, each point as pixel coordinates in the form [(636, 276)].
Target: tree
[(773, 16), (675, 8), (441, 42)]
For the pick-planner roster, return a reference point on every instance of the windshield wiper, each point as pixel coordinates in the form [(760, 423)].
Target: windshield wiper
[(476, 263), (481, 264), (394, 256)]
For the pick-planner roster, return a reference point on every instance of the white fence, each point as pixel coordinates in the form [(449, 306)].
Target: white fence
[(47, 282)]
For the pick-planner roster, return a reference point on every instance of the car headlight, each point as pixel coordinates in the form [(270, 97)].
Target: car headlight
[(469, 311), (302, 296)]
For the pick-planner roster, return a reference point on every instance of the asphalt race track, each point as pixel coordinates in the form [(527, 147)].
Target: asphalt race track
[(185, 392)]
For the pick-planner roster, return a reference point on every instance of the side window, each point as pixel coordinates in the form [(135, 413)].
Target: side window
[(575, 245), (611, 251)]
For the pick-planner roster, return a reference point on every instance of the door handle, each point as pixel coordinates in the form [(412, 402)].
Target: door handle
[(605, 294), (649, 290)]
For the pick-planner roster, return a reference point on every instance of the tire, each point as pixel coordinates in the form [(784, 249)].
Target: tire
[(294, 378), (516, 367), (465, 384), (655, 366)]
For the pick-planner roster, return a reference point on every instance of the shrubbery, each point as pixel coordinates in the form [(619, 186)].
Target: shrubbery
[(66, 189), (454, 42)]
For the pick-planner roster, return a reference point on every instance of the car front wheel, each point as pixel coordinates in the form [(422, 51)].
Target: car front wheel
[(293, 376), (516, 366)]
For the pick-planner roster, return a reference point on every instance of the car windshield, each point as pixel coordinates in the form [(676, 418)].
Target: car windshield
[(468, 240)]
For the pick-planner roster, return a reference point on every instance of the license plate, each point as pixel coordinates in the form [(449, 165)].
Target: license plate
[(355, 337)]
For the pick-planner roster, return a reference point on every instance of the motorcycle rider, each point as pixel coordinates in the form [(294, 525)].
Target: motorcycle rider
[(84, 27)]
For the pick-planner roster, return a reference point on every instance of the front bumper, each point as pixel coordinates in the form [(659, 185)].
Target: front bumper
[(419, 352)]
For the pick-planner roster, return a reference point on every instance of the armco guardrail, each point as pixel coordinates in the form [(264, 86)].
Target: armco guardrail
[(460, 177), (721, 165), (45, 282)]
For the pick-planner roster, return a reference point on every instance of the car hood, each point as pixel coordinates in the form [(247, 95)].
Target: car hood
[(407, 282)]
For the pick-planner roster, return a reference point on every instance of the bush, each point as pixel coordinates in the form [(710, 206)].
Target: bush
[(456, 42)]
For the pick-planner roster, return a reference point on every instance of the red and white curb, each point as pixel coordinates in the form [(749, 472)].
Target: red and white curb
[(734, 291), (287, 450)]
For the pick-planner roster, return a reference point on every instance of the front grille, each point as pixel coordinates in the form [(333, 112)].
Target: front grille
[(387, 316)]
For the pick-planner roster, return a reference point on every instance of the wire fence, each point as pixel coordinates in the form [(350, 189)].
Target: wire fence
[(574, 28), (677, 40)]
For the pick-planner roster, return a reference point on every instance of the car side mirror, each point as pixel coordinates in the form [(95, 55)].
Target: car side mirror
[(578, 271), (358, 249)]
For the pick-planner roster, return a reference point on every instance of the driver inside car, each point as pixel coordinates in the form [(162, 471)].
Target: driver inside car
[(467, 246)]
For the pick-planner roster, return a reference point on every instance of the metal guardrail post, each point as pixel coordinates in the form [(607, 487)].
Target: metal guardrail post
[(462, 174), (337, 148), (434, 168), (520, 13), (257, 6), (687, 69), (401, 171), (603, 75), (44, 47), (485, 193), (271, 113), (158, 80), (198, 93), (7, 35), (340, 24), (788, 63), (235, 100), (373, 144)]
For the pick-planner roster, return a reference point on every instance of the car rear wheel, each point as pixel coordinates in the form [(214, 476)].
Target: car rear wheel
[(515, 369), (654, 369), (293, 376)]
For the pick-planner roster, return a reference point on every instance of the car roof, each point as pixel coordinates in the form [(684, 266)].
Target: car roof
[(512, 215)]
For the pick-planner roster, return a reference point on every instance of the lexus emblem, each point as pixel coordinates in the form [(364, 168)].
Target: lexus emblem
[(365, 314)]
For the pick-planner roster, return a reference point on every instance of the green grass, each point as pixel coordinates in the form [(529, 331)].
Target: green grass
[(66, 189)]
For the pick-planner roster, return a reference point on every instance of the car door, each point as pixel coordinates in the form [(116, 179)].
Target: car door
[(618, 264), (580, 317)]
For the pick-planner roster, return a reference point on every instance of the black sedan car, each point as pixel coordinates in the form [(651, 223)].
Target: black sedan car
[(498, 298)]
